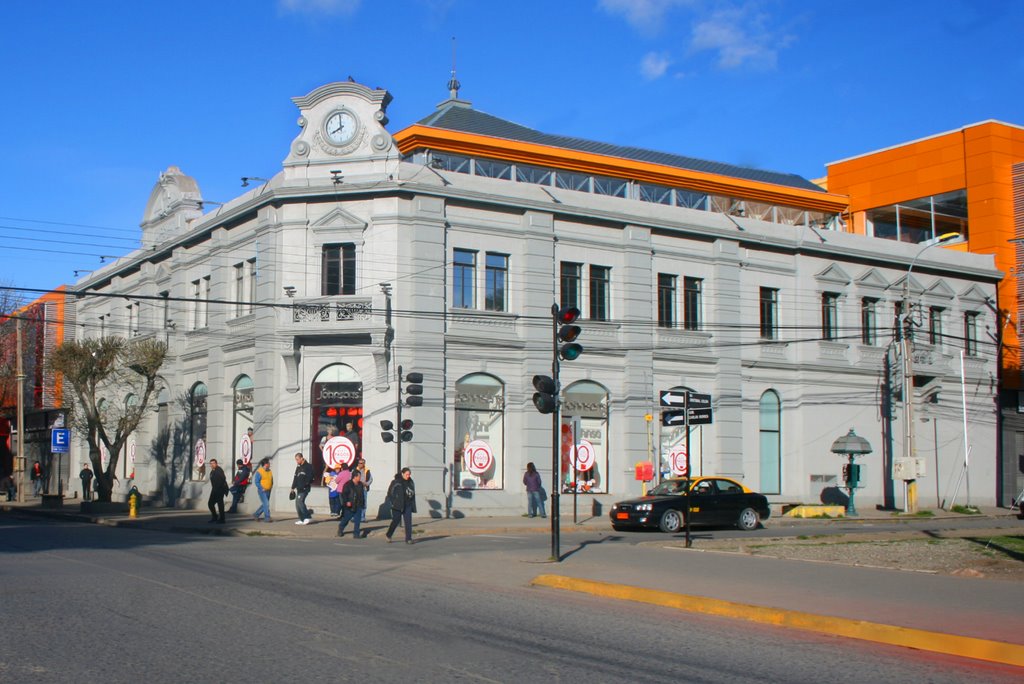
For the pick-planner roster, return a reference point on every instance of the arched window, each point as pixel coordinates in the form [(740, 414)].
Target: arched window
[(771, 443), (480, 432), (197, 431), (585, 424), (336, 397), (242, 418)]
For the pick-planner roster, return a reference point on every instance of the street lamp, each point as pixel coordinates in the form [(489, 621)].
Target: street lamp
[(907, 465)]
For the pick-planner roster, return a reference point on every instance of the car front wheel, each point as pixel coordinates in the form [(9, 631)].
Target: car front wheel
[(671, 521), (748, 519)]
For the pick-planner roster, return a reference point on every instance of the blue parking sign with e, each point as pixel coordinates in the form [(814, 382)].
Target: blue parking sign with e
[(59, 441)]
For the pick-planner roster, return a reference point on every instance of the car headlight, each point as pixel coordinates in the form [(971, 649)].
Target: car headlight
[(643, 507)]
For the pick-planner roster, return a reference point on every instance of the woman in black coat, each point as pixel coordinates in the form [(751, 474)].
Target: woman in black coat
[(402, 494)]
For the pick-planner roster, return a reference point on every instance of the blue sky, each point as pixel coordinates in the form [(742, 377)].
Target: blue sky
[(99, 97)]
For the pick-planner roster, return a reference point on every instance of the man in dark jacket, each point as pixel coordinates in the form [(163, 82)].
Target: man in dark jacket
[(301, 483), (86, 477), (238, 484), (218, 490), (353, 499), (402, 494)]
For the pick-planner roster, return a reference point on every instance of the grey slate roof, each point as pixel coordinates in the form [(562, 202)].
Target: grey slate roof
[(458, 116)]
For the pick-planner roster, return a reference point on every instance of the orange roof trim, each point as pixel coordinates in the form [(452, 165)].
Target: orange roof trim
[(419, 136)]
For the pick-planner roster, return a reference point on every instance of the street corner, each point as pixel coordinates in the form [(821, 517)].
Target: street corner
[(923, 640)]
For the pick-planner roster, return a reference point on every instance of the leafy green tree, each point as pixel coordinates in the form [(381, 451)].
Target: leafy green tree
[(103, 373)]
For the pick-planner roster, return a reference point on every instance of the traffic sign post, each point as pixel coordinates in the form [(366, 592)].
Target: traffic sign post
[(681, 406)]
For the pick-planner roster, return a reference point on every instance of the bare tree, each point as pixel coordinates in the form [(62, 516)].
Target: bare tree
[(103, 374)]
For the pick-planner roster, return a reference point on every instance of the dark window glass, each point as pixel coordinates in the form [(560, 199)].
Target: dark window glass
[(769, 313), (571, 275), (464, 279), (692, 305), (338, 270), (600, 285), (666, 300), (829, 315), (495, 299)]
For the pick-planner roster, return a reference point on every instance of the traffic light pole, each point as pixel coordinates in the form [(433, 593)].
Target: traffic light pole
[(398, 423), (556, 463)]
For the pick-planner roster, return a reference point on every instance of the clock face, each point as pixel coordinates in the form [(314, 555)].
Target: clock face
[(340, 127)]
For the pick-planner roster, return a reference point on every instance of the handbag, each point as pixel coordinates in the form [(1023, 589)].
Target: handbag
[(291, 495)]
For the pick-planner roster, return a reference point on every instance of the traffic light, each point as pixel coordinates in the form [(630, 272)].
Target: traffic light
[(545, 398), (387, 426), (568, 348), (414, 389), (404, 434)]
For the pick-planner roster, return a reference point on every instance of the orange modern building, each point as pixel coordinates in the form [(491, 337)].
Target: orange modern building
[(43, 325), (971, 182)]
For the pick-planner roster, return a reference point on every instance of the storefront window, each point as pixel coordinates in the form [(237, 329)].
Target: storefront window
[(480, 426), (197, 431), (337, 411), (585, 438), (243, 421)]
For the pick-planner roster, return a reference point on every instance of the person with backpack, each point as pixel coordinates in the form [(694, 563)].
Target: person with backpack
[(264, 481), (402, 495)]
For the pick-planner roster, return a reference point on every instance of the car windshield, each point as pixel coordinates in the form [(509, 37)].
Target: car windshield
[(669, 487)]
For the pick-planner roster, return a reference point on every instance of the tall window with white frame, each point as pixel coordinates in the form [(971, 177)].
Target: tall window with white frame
[(250, 266), (935, 325), (570, 277), (829, 315), (869, 321), (200, 304), (133, 319), (239, 289), (338, 269), (600, 293), (464, 279), (693, 317), (769, 305), (496, 294), (971, 333), (666, 300)]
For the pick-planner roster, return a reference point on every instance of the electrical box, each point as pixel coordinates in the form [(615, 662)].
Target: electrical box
[(919, 466), (904, 469)]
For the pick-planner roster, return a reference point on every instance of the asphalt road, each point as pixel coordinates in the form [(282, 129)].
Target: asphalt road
[(92, 603)]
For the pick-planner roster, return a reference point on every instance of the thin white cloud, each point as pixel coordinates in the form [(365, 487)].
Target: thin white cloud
[(738, 37), (643, 15), (654, 65), (337, 7)]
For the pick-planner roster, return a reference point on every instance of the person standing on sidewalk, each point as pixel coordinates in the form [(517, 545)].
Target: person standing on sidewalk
[(86, 477), (218, 490), (367, 479), (301, 482), (534, 491), (352, 503), (239, 484), (264, 482), (402, 495), (37, 478)]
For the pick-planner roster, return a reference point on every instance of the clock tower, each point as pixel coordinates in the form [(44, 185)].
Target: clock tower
[(341, 123)]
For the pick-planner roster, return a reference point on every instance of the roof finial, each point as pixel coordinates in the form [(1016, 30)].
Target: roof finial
[(453, 84)]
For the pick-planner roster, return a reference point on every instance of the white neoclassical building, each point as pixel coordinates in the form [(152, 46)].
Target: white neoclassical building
[(441, 249)]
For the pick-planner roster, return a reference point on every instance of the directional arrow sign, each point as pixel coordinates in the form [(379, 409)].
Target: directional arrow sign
[(700, 416), (670, 398), (669, 418)]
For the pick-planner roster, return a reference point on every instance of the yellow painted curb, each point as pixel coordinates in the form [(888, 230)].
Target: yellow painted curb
[(937, 642), (816, 512)]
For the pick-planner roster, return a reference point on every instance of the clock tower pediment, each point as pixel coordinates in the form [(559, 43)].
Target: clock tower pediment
[(341, 121)]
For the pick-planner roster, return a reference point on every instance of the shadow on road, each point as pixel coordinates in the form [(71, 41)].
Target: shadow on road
[(583, 545)]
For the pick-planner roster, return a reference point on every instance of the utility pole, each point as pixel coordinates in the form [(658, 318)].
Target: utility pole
[(908, 463), (20, 466)]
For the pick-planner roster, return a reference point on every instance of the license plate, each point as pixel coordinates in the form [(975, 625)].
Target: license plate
[(622, 516)]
